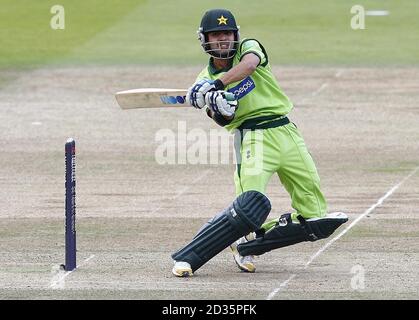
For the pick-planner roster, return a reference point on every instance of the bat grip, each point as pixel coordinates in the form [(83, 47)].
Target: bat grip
[(229, 96)]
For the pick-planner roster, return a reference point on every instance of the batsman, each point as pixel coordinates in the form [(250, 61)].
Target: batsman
[(266, 143)]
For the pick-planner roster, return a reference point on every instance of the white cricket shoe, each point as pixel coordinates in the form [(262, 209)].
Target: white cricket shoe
[(245, 263), (182, 269)]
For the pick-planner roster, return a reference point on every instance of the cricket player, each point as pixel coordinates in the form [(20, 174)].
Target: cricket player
[(266, 143)]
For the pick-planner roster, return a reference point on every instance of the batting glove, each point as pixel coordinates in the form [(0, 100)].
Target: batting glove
[(196, 93), (217, 102)]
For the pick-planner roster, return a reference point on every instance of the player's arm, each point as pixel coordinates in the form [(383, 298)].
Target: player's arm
[(243, 69), (248, 64)]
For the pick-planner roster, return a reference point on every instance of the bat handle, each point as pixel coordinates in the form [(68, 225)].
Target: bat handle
[(229, 96)]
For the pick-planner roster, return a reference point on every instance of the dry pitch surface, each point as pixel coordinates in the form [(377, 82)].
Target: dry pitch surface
[(361, 126)]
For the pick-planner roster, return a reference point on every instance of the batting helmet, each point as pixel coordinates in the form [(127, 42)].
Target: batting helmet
[(218, 20)]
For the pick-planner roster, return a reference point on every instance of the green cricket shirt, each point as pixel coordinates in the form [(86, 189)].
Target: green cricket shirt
[(259, 94)]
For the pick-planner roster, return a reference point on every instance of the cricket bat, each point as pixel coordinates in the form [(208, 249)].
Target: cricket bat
[(156, 98), (151, 98)]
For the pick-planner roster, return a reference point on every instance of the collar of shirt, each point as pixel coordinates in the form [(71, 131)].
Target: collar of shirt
[(213, 70)]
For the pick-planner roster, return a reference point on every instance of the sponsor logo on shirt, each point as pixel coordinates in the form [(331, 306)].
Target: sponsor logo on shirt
[(243, 88)]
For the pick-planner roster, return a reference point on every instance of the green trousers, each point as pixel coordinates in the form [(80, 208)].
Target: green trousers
[(280, 150)]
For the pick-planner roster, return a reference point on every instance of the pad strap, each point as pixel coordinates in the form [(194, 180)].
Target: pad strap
[(286, 233)]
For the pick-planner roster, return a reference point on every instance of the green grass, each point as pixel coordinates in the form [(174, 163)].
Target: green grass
[(26, 38), (313, 32)]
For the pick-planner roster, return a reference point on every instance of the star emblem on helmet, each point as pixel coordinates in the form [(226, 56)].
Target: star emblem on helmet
[(222, 20)]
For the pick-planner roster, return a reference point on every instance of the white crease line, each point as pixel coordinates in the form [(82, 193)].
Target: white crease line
[(86, 261), (328, 244), (59, 282), (182, 191), (339, 73), (282, 285), (322, 87)]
